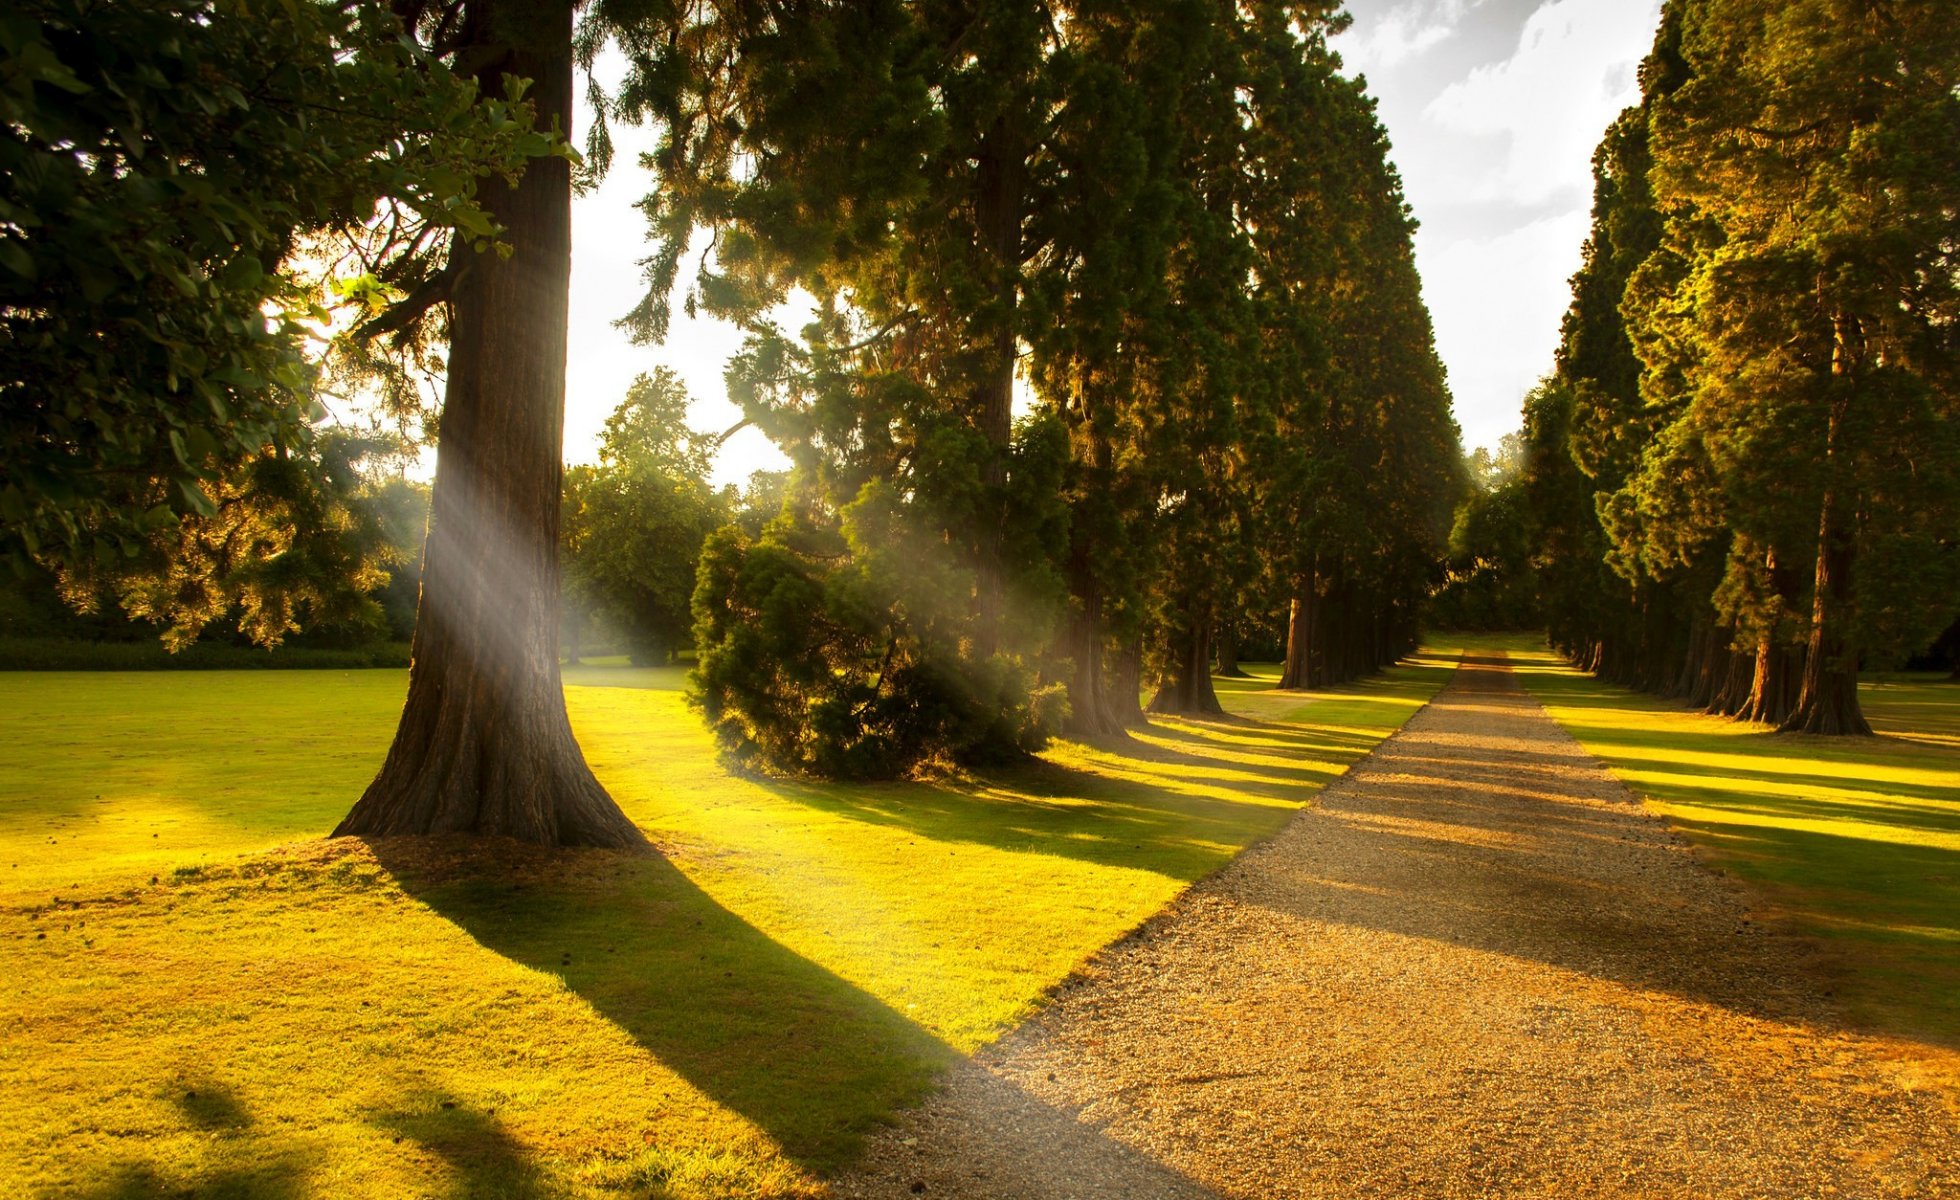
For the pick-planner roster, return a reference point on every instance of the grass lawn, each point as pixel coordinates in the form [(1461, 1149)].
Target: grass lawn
[(205, 996), (1853, 841)]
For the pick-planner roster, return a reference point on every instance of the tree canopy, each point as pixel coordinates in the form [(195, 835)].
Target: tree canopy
[(1757, 383)]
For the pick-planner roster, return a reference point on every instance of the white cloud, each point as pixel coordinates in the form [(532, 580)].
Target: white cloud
[(1548, 103), (1403, 34), (1497, 302)]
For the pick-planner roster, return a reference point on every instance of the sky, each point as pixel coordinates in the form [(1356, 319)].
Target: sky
[(1493, 108)]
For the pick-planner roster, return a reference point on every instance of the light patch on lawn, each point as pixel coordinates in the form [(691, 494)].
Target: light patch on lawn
[(436, 1018)]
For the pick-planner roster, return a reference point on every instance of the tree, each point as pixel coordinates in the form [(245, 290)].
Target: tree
[(635, 524), (484, 745), (165, 160), (1771, 256)]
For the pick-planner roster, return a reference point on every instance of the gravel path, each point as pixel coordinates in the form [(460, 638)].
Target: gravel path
[(1475, 968)]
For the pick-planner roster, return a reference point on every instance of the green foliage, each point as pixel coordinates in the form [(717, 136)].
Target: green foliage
[(1490, 583), (843, 650), (1758, 374), (168, 163), (633, 526)]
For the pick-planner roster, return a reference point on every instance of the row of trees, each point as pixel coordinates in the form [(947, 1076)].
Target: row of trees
[(1172, 225), (1177, 223), (1745, 474)]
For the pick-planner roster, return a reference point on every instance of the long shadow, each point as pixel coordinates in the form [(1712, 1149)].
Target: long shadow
[(1177, 828), (1942, 801), (1505, 868), (811, 1059), (807, 1056), (1178, 796), (1177, 803)]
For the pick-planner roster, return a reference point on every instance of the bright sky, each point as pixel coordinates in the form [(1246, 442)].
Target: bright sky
[(1493, 107)]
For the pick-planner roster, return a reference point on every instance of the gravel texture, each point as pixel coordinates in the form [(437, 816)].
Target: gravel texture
[(1475, 968)]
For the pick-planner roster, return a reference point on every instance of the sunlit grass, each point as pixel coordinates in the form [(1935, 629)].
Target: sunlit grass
[(1854, 840), (209, 997)]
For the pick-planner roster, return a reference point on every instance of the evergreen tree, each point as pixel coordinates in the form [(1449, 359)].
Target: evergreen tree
[(635, 523)]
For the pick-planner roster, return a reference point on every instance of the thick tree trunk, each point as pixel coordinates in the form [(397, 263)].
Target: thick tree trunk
[(1091, 713), (1227, 638), (999, 200), (1297, 673), (1125, 699), (1773, 690), (1684, 680), (1733, 691), (1828, 700), (1712, 667), (1189, 689), (484, 745)]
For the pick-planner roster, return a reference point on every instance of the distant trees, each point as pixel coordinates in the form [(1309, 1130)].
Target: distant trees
[(634, 523), (1489, 581), (1758, 379), (1176, 221)]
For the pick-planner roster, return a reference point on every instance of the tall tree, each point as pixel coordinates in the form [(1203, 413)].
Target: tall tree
[(1819, 139), (171, 167), (640, 517), (484, 744)]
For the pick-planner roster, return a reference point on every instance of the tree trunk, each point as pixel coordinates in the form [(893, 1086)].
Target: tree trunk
[(999, 187), (1299, 634), (1828, 700), (484, 745), (1189, 689), (1125, 701), (1091, 713), (1227, 638), (1733, 691)]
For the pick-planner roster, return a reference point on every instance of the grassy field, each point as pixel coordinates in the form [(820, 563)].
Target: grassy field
[(1855, 842), (207, 997)]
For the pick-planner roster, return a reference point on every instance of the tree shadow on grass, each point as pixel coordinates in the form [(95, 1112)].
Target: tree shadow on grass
[(1179, 796), (1178, 805), (277, 1179), (214, 1109), (484, 1159), (1509, 858), (809, 1058)]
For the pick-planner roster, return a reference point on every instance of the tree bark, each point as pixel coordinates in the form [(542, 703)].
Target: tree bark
[(999, 199), (1227, 639), (1828, 700), (1733, 691), (484, 745), (1189, 689), (1091, 711), (1771, 694), (1297, 672), (1125, 702)]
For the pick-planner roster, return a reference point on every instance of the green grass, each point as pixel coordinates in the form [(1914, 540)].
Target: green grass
[(207, 996), (1855, 842)]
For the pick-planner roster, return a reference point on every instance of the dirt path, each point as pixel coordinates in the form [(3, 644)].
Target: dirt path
[(1475, 968)]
